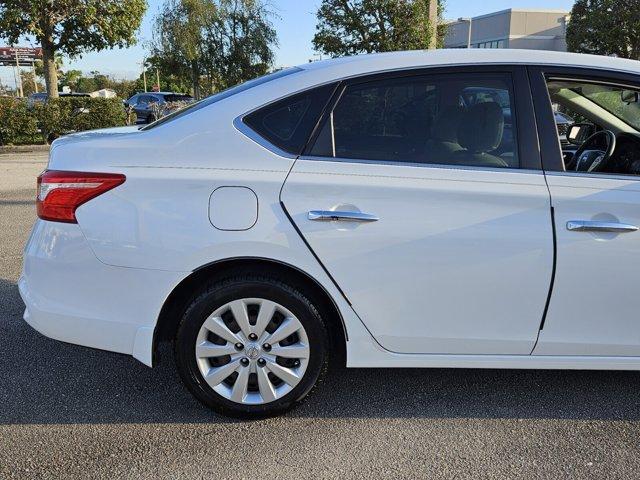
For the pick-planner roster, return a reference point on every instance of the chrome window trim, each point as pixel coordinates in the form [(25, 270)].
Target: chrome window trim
[(441, 166), (333, 134), (606, 176)]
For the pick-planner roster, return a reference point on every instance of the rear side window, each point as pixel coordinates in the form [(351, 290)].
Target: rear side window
[(288, 123), (462, 119)]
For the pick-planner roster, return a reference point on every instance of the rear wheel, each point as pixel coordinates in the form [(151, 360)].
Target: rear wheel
[(251, 346)]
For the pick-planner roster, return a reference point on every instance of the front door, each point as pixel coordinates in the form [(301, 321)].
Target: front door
[(422, 197), (594, 307)]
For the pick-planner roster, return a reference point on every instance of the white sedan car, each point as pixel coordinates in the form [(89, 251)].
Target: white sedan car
[(411, 209)]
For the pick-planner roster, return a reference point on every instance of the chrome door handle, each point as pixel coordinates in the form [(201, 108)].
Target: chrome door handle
[(331, 216), (593, 226)]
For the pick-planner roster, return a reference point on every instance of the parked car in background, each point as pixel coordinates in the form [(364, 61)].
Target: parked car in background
[(150, 106), (353, 208), (36, 98)]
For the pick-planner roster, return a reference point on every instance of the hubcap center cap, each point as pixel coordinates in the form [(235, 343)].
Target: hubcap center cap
[(253, 352)]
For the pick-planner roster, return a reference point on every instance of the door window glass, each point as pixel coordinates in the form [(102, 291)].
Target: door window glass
[(599, 126), (446, 119)]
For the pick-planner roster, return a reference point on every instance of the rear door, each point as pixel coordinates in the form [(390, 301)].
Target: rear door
[(431, 216)]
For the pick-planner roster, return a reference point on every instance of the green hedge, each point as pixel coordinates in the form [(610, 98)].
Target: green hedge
[(42, 122), (18, 124)]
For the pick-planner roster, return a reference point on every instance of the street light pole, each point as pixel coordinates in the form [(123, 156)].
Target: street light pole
[(19, 82), (469, 21), (433, 24), (33, 69), (35, 79), (144, 75), (15, 80)]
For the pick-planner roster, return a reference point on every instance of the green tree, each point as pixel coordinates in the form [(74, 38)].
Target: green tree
[(125, 88), (70, 27), (349, 27), (212, 44), (100, 81), (605, 27), (29, 81), (176, 79), (179, 37), (70, 79), (58, 64), (240, 42)]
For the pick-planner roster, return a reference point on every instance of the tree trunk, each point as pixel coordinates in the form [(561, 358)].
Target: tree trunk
[(50, 69), (195, 73)]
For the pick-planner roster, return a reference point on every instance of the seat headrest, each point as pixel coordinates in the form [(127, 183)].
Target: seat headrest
[(481, 127), (445, 126)]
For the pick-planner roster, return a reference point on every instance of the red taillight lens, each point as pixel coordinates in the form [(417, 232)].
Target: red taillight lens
[(61, 193)]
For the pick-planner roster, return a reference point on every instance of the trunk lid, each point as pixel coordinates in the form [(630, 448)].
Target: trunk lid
[(93, 150)]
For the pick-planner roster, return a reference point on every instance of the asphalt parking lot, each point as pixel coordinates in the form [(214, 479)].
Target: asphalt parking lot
[(72, 412)]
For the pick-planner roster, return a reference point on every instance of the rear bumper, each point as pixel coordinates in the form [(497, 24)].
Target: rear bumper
[(73, 297)]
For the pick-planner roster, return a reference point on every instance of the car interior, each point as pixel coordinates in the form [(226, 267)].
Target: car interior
[(455, 122), (605, 137)]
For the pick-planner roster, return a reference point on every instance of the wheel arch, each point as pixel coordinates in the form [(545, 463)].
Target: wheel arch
[(180, 297)]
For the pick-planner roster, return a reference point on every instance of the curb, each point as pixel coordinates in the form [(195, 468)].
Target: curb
[(24, 148)]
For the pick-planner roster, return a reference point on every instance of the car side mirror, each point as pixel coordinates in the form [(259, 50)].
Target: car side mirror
[(579, 132), (629, 96)]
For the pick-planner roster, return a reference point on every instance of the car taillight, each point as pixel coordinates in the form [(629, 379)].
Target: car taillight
[(60, 193)]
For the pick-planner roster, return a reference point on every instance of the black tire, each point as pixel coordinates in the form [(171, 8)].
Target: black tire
[(217, 294)]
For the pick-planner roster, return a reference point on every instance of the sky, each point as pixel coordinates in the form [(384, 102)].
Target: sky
[(295, 24)]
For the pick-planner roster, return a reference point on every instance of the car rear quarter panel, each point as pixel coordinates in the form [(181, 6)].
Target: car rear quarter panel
[(159, 218)]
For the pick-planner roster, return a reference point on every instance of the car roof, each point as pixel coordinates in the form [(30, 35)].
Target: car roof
[(362, 64), (312, 74), (165, 93)]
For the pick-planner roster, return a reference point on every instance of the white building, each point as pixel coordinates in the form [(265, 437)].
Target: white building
[(513, 28), (104, 93)]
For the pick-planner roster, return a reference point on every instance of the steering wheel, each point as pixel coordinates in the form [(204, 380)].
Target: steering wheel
[(587, 160)]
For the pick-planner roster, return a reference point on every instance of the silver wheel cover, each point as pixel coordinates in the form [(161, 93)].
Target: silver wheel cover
[(256, 360)]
